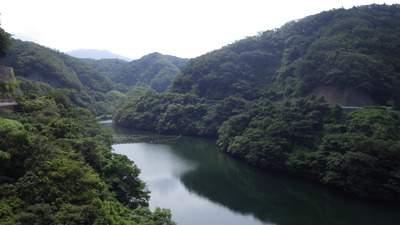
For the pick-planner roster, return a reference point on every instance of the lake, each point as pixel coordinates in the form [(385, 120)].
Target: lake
[(202, 186)]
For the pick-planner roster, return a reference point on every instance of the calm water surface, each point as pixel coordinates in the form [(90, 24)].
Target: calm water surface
[(202, 186)]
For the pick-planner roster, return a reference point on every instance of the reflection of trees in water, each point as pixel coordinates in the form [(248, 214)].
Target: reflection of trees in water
[(125, 139), (124, 136), (271, 197)]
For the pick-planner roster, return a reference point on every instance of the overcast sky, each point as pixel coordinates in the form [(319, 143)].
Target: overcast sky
[(133, 28)]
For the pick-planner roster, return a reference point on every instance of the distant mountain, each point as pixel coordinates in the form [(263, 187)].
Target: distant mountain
[(96, 54), (153, 70)]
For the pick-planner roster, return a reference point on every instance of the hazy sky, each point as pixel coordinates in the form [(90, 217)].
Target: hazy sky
[(133, 28)]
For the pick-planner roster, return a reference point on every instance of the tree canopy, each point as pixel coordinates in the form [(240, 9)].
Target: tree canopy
[(256, 97), (85, 86), (153, 70), (56, 167)]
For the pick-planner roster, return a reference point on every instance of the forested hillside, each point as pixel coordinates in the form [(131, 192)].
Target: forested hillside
[(86, 86), (155, 71), (340, 48), (57, 168), (106, 66), (256, 97), (97, 85), (56, 164)]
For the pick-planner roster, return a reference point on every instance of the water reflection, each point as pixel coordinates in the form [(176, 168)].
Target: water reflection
[(274, 197), (162, 169), (203, 186)]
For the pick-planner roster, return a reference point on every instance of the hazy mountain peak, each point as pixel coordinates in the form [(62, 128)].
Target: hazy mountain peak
[(96, 54)]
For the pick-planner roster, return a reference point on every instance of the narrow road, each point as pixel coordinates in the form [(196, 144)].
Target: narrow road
[(7, 103)]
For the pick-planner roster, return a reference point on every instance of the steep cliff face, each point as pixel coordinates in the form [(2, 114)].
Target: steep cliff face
[(5, 73), (8, 86), (345, 96), (8, 83)]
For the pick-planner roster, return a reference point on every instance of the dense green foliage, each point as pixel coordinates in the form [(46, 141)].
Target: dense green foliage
[(255, 96), (176, 113), (106, 66), (56, 167), (33, 89), (56, 163), (92, 84), (154, 70), (242, 69), (346, 48), (357, 152), (5, 42), (86, 86), (355, 47)]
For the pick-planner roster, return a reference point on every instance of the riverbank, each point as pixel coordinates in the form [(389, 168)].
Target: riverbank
[(201, 185)]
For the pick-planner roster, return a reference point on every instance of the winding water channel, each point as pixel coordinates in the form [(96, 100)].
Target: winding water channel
[(202, 186)]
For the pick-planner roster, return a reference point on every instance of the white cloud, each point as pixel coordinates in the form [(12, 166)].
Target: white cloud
[(137, 27)]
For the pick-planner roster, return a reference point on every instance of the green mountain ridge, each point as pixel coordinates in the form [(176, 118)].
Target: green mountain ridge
[(39, 63), (106, 66), (153, 70), (91, 83), (258, 97), (353, 48), (86, 87)]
